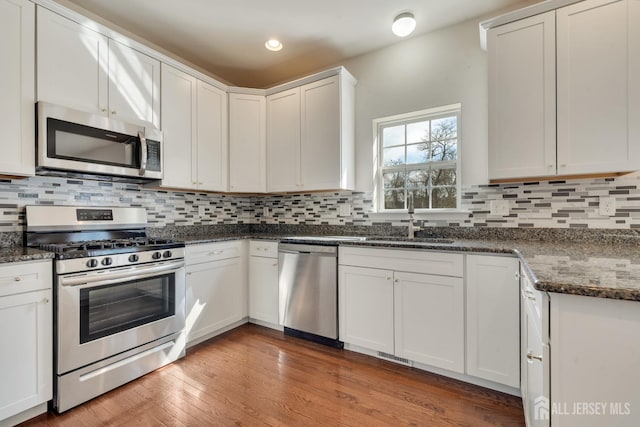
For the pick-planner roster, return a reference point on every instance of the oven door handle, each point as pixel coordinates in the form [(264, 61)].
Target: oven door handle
[(98, 279)]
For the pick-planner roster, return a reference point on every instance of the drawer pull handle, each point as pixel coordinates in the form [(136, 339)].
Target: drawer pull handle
[(275, 265), (531, 356), (531, 298), (215, 253), (17, 278)]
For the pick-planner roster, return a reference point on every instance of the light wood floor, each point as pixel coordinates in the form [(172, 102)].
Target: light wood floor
[(256, 376)]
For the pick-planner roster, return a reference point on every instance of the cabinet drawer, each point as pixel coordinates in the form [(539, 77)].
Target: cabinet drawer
[(439, 263), (21, 277), (207, 252), (263, 249)]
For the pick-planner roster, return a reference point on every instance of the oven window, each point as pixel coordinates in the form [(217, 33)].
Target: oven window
[(109, 309)]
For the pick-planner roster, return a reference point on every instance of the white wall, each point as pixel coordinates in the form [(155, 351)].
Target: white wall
[(439, 68)]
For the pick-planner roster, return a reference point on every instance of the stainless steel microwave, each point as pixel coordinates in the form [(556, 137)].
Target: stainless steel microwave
[(76, 141)]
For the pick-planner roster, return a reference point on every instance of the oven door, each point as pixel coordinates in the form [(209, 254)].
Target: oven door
[(103, 313)]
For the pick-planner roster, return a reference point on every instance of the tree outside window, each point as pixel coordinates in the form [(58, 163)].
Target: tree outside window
[(419, 155)]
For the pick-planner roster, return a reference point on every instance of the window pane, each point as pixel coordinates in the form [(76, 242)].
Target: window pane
[(417, 153), (393, 179), (394, 199), (393, 135), (443, 177), (419, 178), (393, 156), (445, 128), (444, 150), (418, 132), (443, 197), (420, 198)]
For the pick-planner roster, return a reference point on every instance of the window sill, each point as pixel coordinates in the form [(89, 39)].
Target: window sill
[(441, 214)]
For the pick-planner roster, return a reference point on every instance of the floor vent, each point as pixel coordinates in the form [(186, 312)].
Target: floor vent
[(394, 358)]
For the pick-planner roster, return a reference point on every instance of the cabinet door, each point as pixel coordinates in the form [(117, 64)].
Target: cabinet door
[(179, 127), (17, 49), (320, 165), (211, 136), (247, 143), (522, 94), (366, 308), (72, 63), (263, 289), (134, 85), (26, 356), (429, 320), (216, 297), (283, 141), (493, 324), (536, 409), (599, 87)]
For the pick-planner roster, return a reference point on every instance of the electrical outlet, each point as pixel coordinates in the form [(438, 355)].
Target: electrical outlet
[(344, 209), (201, 211), (607, 206), (265, 212), (499, 207)]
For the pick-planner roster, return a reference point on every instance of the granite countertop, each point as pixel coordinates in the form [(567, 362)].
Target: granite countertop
[(588, 268), (18, 254)]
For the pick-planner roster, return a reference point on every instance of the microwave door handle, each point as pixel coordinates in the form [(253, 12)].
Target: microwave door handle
[(143, 153)]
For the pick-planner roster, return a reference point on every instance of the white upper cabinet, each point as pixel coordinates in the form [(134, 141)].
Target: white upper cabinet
[(522, 104), (17, 46), (592, 92), (211, 138), (310, 136), (599, 87), (247, 143), (194, 117), (283, 141), (178, 125), (134, 84), (83, 69)]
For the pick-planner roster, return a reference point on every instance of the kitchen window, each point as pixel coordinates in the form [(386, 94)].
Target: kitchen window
[(418, 156)]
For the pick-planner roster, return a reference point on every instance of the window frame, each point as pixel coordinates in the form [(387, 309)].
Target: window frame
[(405, 119)]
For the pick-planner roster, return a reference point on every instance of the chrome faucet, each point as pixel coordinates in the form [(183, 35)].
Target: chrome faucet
[(410, 209)]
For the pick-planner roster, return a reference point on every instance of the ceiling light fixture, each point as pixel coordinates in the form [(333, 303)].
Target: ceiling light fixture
[(403, 24), (273, 45)]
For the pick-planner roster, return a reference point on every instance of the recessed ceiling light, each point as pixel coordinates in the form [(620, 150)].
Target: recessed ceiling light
[(273, 44), (403, 24)]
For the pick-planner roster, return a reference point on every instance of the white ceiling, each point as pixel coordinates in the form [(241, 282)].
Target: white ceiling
[(226, 37)]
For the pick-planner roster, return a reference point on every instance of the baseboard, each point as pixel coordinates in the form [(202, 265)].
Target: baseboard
[(266, 324)]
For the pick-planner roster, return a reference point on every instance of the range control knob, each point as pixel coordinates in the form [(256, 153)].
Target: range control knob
[(107, 261), (167, 254), (92, 263), (156, 255), (133, 258)]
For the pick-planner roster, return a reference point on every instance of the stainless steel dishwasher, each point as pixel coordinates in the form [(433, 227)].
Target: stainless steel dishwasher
[(308, 281)]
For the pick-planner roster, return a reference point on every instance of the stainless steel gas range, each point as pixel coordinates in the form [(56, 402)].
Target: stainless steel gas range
[(119, 297)]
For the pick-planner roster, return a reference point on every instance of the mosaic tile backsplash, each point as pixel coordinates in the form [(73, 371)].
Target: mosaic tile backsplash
[(546, 204)]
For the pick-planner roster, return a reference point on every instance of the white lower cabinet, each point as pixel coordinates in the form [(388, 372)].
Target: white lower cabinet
[(26, 358), (216, 289), (493, 332), (429, 319), (263, 282), (366, 307), (408, 314)]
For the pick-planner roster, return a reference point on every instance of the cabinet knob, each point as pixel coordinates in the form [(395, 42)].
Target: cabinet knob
[(531, 356), (388, 278), (563, 166), (275, 265), (396, 280), (45, 300), (113, 112), (104, 110), (517, 276), (17, 278)]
